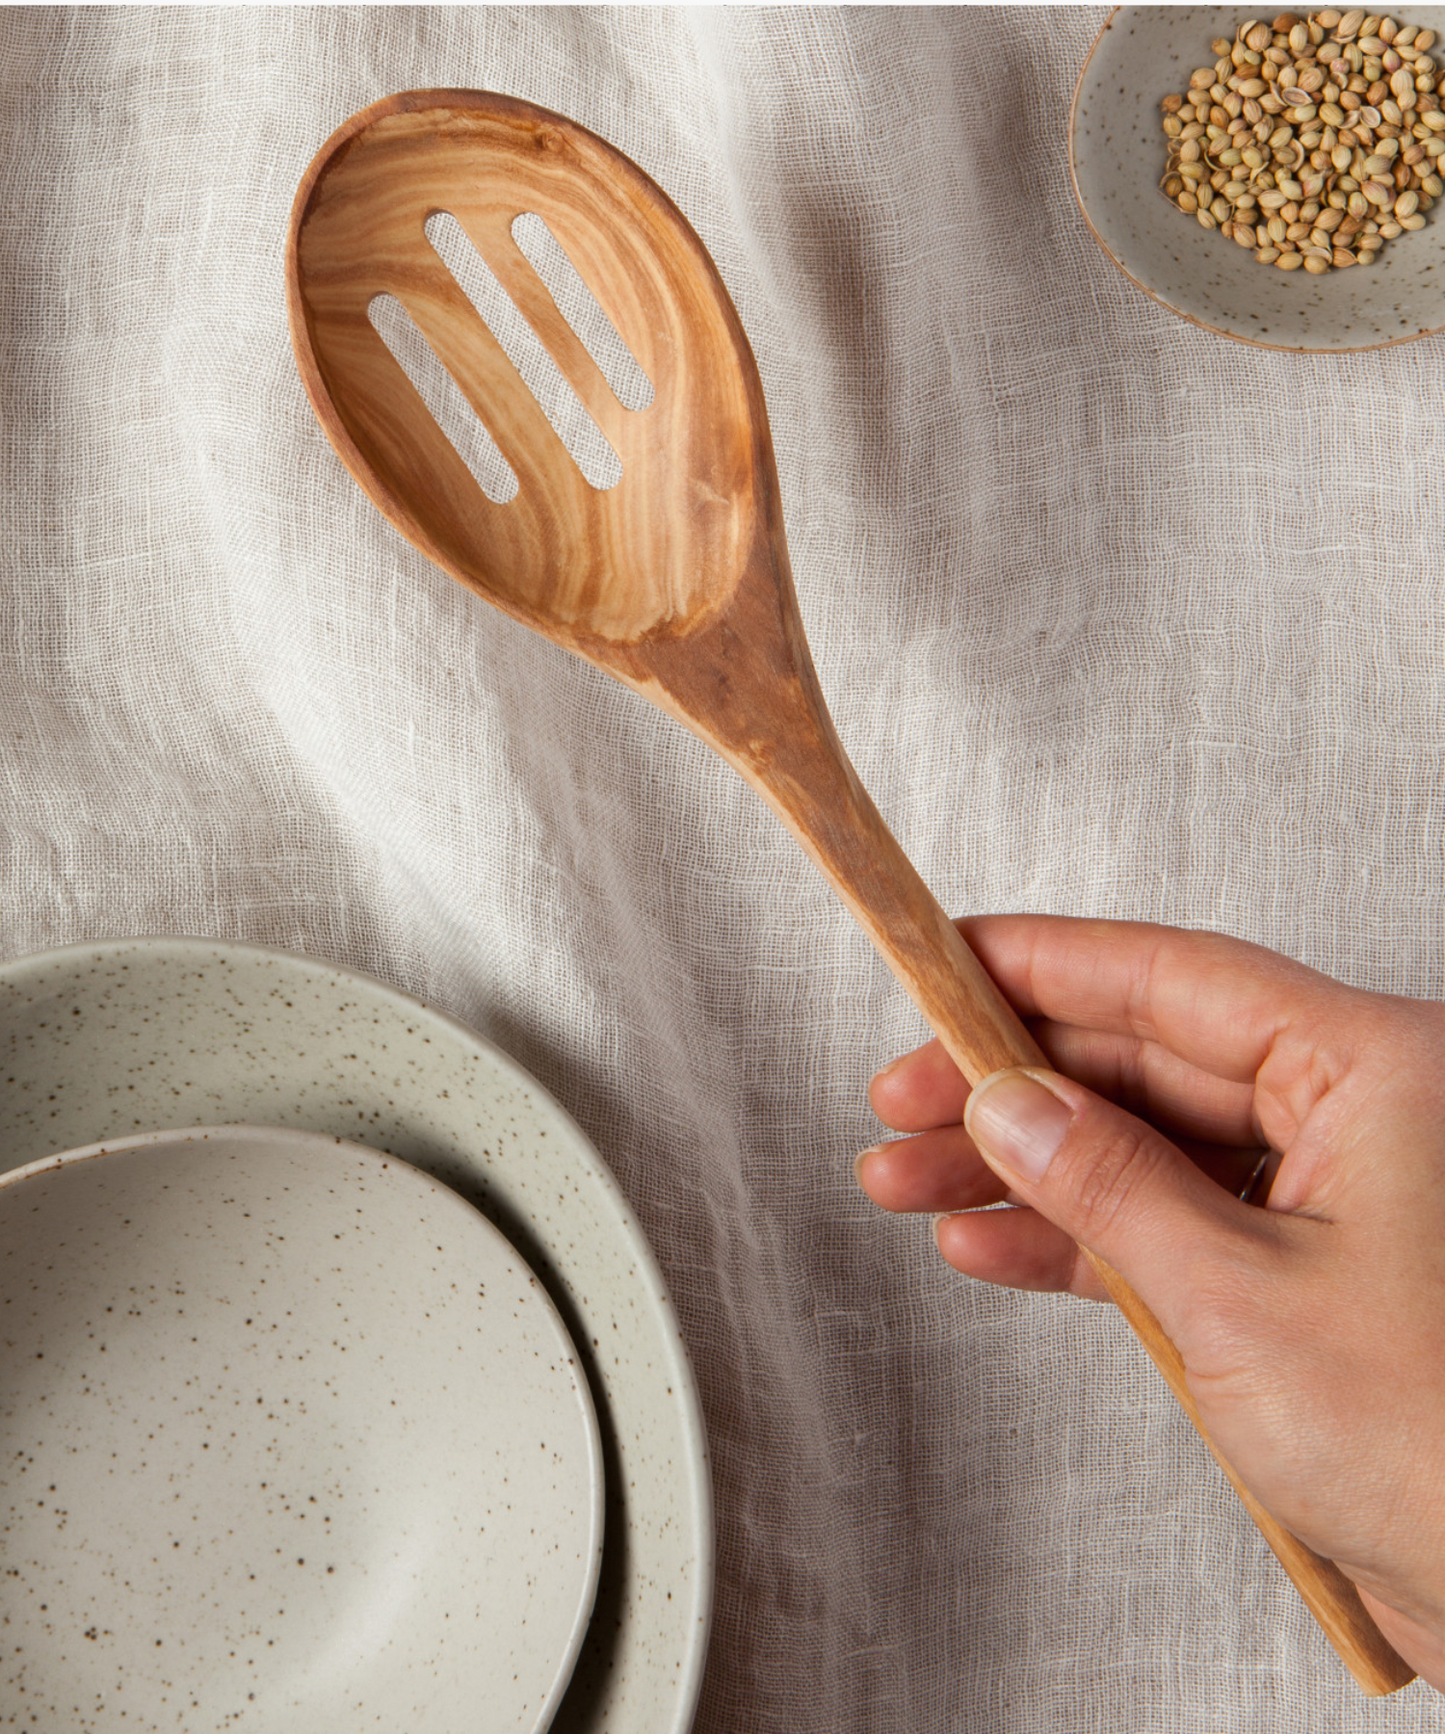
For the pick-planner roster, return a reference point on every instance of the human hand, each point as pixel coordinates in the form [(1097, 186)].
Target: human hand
[(1313, 1330)]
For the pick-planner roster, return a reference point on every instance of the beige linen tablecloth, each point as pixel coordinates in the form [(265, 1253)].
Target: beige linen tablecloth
[(1115, 618)]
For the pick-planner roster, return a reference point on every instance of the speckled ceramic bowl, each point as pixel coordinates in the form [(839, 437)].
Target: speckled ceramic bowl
[(1117, 155), (290, 1439), (99, 1040)]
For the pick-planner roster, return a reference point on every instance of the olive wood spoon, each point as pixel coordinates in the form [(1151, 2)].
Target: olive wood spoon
[(677, 579)]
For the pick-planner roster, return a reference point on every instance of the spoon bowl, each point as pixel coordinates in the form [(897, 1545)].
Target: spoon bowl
[(682, 523)]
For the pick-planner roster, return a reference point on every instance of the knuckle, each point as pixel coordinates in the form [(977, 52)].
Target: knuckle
[(1107, 1173)]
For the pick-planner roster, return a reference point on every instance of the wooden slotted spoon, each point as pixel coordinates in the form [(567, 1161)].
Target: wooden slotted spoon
[(676, 580)]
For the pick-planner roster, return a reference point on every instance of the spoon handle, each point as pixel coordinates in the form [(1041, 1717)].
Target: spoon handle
[(808, 780)]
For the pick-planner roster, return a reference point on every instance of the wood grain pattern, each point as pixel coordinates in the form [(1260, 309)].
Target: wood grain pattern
[(680, 525), (677, 580)]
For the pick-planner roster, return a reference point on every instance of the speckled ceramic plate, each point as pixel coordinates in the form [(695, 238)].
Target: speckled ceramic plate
[(98, 1041), (290, 1439), (1117, 155)]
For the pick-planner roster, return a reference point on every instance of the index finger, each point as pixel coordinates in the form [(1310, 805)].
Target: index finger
[(925, 1089), (1219, 1004)]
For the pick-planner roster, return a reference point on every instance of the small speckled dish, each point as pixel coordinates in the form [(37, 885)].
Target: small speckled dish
[(290, 1439), (1116, 158), (98, 1041)]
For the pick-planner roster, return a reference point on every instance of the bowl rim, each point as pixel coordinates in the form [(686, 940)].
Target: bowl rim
[(1179, 312)]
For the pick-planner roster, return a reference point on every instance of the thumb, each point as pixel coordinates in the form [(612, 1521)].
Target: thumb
[(1109, 1180)]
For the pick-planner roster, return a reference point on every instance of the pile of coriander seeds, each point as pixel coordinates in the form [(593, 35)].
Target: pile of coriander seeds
[(1310, 141)]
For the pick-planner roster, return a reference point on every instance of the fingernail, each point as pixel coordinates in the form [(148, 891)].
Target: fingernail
[(860, 1159), (1017, 1122)]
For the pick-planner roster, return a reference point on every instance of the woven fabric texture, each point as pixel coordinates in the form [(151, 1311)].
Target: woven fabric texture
[(1115, 618)]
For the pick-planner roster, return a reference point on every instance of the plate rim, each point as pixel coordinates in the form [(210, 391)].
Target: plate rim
[(684, 1680)]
